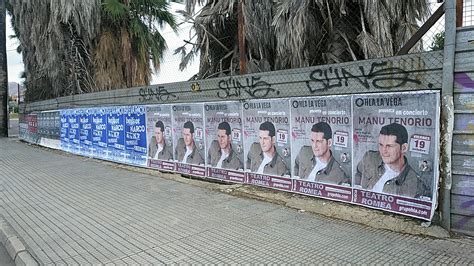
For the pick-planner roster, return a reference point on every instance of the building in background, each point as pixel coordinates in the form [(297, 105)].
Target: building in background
[(16, 92)]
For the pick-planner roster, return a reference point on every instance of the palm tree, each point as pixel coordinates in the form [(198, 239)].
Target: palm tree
[(55, 41), (129, 40), (82, 46), (284, 34)]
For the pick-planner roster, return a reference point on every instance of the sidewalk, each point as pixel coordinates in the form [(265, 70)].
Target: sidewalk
[(75, 210)]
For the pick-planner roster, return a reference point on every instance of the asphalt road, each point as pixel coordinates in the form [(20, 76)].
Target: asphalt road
[(13, 128)]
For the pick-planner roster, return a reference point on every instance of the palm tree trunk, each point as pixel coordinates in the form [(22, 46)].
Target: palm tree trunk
[(242, 56)]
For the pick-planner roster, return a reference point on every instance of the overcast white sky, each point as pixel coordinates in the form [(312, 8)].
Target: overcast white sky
[(14, 59)]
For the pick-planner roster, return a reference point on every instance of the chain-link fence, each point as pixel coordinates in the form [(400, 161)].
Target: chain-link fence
[(433, 39), (468, 13)]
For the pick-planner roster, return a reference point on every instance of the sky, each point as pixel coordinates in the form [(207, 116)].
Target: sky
[(14, 59)]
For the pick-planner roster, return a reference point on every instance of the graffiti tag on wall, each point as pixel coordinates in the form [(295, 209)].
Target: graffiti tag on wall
[(153, 94), (378, 75), (252, 86)]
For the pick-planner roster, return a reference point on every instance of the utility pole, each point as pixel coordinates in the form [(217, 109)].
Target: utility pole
[(3, 74), (459, 12), (241, 35)]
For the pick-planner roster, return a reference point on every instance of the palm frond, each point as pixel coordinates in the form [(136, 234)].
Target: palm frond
[(115, 9), (108, 73)]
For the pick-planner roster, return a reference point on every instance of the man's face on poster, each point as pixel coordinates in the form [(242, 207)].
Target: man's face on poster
[(187, 136), (390, 151), (266, 142), (223, 138), (159, 135), (319, 144)]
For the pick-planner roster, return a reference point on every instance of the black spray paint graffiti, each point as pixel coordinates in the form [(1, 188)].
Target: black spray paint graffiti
[(379, 77), (159, 94), (253, 86)]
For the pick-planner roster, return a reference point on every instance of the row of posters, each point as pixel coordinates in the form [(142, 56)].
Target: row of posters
[(376, 150)]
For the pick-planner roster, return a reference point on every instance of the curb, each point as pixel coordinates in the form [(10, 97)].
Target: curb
[(14, 245)]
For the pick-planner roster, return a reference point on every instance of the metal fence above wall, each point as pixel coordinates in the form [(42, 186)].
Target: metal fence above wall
[(399, 73)]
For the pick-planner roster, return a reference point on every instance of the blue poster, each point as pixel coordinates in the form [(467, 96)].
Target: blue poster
[(115, 134), (99, 133), (74, 130), (135, 135), (64, 134), (85, 132)]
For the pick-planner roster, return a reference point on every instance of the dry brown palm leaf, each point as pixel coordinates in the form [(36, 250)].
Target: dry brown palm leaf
[(293, 22), (108, 73)]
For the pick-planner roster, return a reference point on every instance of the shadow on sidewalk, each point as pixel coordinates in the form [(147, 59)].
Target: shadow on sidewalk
[(5, 259)]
